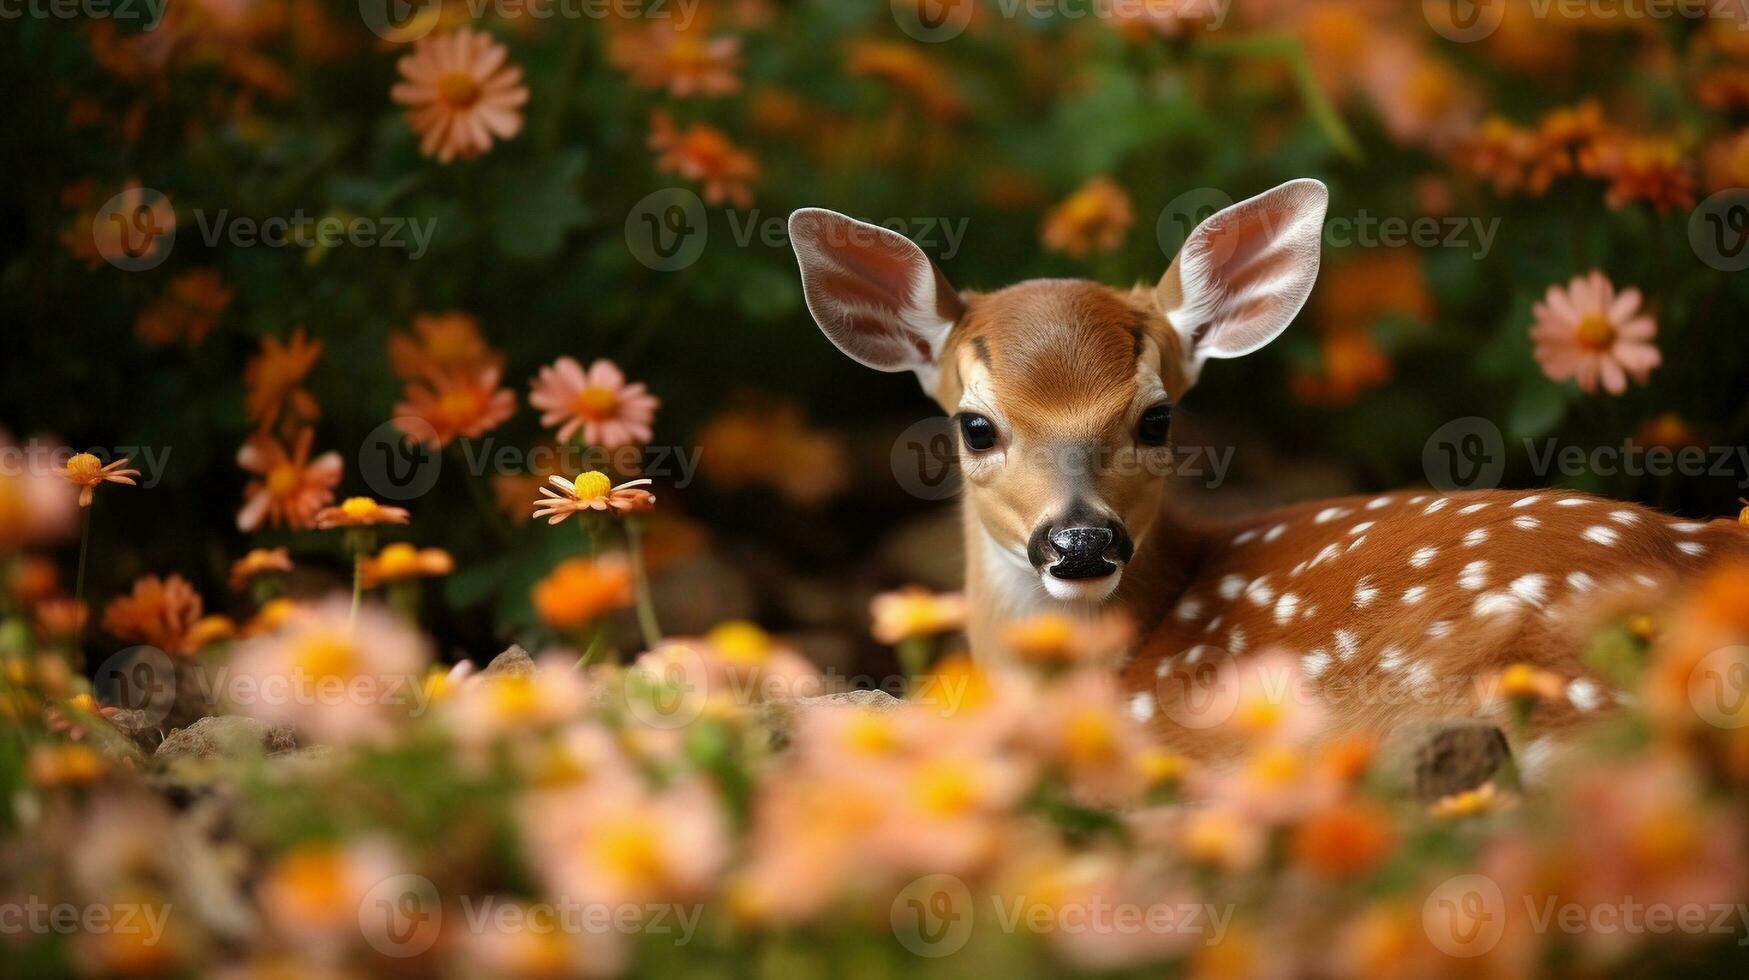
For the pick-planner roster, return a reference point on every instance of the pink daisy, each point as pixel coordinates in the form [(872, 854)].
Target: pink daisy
[(459, 94), (610, 412), (1589, 332)]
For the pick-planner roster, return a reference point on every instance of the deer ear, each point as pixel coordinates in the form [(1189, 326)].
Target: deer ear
[(873, 292), (1245, 272)]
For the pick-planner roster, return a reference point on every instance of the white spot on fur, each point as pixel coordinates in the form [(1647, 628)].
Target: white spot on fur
[(1526, 522), (1580, 582), (1357, 542), (1346, 645), (1189, 608), (1275, 532), (1423, 556), (1377, 502), (1571, 501), (1527, 501), (1245, 537), (1584, 694), (1436, 506), (1142, 706), (1531, 588), (1360, 528), (1231, 586), (1364, 593), (1605, 536), (1315, 663), (1471, 508), (1329, 551), (1284, 607), (1686, 527), (1417, 498), (1495, 603), (1439, 629), (1302, 566), (1214, 624), (1474, 576), (1475, 537), (1329, 514), (1236, 642), (1391, 659), (1420, 675), (1414, 594), (1260, 591), (1623, 516), (1694, 548), (1536, 757), (1646, 581)]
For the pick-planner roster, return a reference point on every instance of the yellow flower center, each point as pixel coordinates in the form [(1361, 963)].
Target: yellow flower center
[(870, 734), (83, 468), (1090, 738), (459, 405), (283, 480), (630, 851), (459, 90), (1275, 767), (592, 485), (740, 641), (322, 657), (1595, 332), (1667, 839), (398, 560), (946, 789), (597, 404), (358, 508), (514, 698)]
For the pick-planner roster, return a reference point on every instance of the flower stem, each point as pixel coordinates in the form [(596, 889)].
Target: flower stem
[(80, 616), (357, 588), (598, 643), (914, 659), (647, 624)]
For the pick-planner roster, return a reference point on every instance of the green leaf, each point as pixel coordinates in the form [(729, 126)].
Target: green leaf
[(533, 208)]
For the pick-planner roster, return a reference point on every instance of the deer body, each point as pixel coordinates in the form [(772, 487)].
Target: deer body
[(1062, 391)]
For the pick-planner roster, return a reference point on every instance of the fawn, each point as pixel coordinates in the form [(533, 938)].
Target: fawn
[(1058, 389)]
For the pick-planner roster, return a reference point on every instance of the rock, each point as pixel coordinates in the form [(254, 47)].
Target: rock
[(513, 662), (1435, 759), (225, 737), (779, 717)]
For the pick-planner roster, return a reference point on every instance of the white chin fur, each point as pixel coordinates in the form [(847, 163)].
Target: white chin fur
[(1081, 590)]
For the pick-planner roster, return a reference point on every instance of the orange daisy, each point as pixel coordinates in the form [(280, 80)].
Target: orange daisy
[(258, 562), (441, 343), (401, 561), (86, 471), (274, 379), (454, 405), (580, 589), (460, 94), (359, 512), (702, 153), (598, 402), (662, 56), (291, 487), (187, 311), (161, 612), (592, 491), (1641, 169), (1093, 219), (907, 69)]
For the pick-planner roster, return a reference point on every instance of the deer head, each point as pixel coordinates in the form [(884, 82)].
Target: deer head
[(1062, 390)]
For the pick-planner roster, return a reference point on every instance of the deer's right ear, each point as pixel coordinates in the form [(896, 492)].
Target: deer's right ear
[(873, 292)]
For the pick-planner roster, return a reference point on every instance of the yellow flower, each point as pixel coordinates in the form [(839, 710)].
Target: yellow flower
[(1525, 683), (86, 471), (914, 612), (401, 561), (1485, 798), (359, 512), (1094, 218)]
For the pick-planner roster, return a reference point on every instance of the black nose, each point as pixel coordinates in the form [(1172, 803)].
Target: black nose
[(1082, 552)]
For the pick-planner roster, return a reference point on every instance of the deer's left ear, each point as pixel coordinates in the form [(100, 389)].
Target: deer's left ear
[(873, 292), (1245, 272)]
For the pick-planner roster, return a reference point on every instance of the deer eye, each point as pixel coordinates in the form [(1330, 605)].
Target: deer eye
[(1156, 422), (978, 432)]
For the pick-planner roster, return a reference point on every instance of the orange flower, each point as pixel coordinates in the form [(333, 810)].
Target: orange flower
[(454, 405), (133, 231), (1667, 430), (1093, 219), (460, 94), (274, 379), (581, 589), (1058, 640), (1647, 169), (1727, 162), (660, 55), (187, 310), (914, 612), (905, 67), (702, 153), (61, 617), (1344, 841), (259, 561), (598, 402), (592, 491), (401, 561), (1357, 291), (291, 488), (359, 512), (765, 443), (441, 343), (161, 612), (1351, 364), (86, 471)]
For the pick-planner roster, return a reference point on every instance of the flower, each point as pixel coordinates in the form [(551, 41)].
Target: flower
[(359, 512), (622, 846), (772, 444), (459, 94), (438, 410), (1651, 169), (257, 562), (704, 154), (161, 612), (401, 561), (1093, 219), (1054, 639), (133, 230), (609, 412), (316, 891), (291, 488), (342, 681), (274, 379), (661, 55), (914, 612), (907, 69), (187, 310), (64, 618), (591, 491), (440, 344), (580, 589), (1589, 333), (1485, 798), (1727, 162), (1351, 364), (85, 471), (1345, 840), (1528, 685)]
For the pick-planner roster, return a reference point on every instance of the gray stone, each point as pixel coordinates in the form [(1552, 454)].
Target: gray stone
[(225, 737)]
